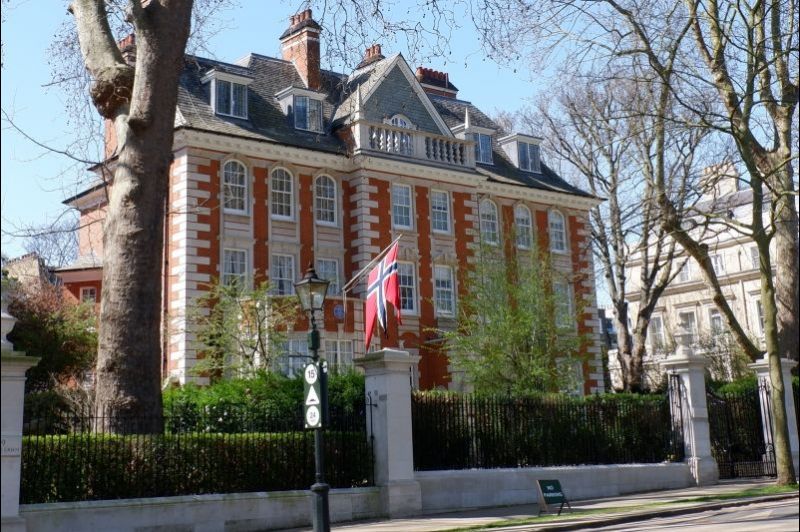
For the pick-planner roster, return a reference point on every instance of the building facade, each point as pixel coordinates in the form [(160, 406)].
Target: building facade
[(279, 164), (687, 301)]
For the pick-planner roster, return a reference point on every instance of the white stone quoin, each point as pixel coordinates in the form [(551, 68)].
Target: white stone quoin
[(14, 366), (696, 430), (388, 388), (761, 367)]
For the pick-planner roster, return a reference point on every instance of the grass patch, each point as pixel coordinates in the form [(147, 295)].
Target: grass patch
[(741, 494)]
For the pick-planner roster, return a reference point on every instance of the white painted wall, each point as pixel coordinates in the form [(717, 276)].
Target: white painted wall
[(444, 491), (238, 512)]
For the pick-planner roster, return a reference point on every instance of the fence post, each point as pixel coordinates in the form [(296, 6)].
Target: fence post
[(14, 365), (761, 367), (690, 367), (388, 386)]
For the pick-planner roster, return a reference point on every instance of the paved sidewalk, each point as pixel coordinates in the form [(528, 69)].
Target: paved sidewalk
[(451, 521)]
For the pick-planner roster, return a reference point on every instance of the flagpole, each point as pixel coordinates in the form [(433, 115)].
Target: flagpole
[(380, 255)]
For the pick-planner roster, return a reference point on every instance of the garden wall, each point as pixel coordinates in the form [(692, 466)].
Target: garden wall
[(239, 512), (475, 488)]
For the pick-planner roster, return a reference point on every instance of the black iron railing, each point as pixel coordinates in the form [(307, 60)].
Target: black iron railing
[(220, 449), (741, 432), (461, 431)]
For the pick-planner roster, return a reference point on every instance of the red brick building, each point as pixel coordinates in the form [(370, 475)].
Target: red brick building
[(279, 163)]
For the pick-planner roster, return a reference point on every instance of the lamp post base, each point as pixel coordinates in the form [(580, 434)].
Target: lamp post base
[(321, 512)]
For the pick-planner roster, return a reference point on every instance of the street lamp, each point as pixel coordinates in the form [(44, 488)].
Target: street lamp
[(311, 292)]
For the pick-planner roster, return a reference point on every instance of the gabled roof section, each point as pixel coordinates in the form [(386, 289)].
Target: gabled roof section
[(380, 88), (266, 120), (503, 170)]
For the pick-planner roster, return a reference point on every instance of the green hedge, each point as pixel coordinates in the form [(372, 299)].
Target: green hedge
[(266, 402), (97, 466)]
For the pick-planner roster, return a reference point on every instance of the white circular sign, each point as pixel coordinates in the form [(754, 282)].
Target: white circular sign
[(311, 374), (312, 416)]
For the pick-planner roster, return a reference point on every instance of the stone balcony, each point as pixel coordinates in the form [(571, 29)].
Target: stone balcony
[(418, 146)]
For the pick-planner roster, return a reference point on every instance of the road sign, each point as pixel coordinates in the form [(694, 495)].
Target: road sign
[(550, 492), (314, 409)]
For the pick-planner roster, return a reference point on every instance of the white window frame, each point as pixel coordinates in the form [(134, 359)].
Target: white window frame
[(233, 84), (276, 282), (397, 207), (713, 315), (685, 274), (443, 210), (228, 187), (85, 298), (291, 363), (755, 258), (718, 263), (692, 330), (533, 157), (275, 196), (655, 334), (557, 245), (443, 274), (758, 313), (488, 219), (483, 153), (564, 305), (227, 275), (322, 273), (323, 204), (523, 229), (317, 127), (334, 353), (406, 271)]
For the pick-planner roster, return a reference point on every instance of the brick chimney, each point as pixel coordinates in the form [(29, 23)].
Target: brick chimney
[(435, 82), (300, 45), (127, 45), (371, 55)]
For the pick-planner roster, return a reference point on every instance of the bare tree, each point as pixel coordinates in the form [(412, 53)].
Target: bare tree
[(593, 129), (56, 244), (140, 101)]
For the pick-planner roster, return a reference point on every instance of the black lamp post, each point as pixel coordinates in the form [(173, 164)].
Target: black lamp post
[(311, 291)]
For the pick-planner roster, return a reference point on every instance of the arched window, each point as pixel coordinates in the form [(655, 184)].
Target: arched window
[(234, 187), (558, 232), (325, 202), (401, 142), (282, 194), (522, 220), (489, 224)]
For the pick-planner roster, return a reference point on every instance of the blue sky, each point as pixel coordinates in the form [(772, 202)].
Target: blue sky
[(34, 181)]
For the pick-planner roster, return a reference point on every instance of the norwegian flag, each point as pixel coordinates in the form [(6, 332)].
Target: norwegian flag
[(383, 287)]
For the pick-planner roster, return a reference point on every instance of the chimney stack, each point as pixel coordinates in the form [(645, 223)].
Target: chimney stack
[(127, 46), (436, 82), (300, 45), (371, 55)]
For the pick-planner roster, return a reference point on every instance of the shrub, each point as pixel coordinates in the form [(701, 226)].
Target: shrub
[(270, 400), (102, 466)]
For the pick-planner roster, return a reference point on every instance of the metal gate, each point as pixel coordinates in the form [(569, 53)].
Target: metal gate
[(741, 432)]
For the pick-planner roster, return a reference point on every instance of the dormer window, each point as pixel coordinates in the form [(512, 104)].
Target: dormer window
[(523, 150), (307, 113), (529, 157), (483, 148), (231, 99), (228, 93), (303, 107)]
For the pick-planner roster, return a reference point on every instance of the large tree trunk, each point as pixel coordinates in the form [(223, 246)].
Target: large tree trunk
[(128, 389)]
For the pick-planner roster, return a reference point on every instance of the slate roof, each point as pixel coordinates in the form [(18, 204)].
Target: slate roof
[(85, 262), (266, 120), (503, 170)]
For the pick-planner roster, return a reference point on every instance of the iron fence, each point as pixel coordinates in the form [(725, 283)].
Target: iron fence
[(740, 426), (220, 449), (462, 431)]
